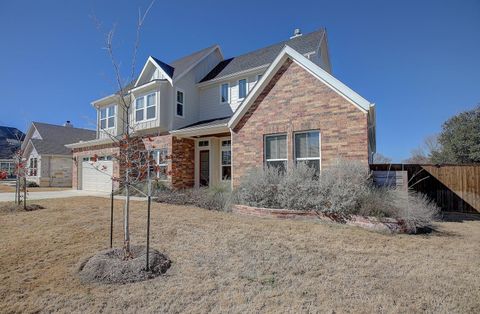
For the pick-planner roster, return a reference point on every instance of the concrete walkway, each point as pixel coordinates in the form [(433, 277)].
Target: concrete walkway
[(10, 197)]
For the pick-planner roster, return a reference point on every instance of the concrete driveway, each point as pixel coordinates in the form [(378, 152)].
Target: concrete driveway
[(10, 197)]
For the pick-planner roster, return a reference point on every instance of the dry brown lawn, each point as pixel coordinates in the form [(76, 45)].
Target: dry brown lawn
[(228, 263)]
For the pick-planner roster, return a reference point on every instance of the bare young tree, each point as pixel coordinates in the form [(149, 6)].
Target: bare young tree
[(135, 160), (381, 159), (423, 153)]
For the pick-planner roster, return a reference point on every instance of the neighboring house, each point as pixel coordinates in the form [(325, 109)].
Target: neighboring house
[(10, 141), (217, 118), (48, 161)]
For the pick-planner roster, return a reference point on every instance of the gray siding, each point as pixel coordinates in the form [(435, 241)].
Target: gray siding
[(210, 104)]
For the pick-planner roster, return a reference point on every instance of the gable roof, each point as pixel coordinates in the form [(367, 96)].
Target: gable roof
[(179, 67), (55, 137), (288, 52), (265, 56)]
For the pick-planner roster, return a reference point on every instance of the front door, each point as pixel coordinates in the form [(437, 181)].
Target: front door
[(204, 167)]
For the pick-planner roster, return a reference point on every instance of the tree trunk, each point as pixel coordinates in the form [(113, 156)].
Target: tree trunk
[(126, 223)]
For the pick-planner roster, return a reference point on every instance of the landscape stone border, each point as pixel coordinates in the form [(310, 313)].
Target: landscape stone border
[(388, 225)]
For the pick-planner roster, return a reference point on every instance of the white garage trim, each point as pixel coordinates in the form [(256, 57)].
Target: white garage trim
[(97, 176)]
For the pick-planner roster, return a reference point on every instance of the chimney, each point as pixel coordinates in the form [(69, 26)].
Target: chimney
[(68, 124), (296, 33)]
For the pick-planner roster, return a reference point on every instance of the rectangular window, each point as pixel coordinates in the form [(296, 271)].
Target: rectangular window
[(32, 171), (203, 143), (107, 117), (259, 77), (226, 151), (145, 108), (276, 151), (139, 109), (307, 149), (180, 103), (151, 106), (160, 157), (224, 93), (242, 89)]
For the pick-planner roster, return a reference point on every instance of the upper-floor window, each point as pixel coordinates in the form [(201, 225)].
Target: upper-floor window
[(224, 93), (276, 151), (259, 76), (242, 89), (179, 110), (307, 149), (107, 117), (145, 108)]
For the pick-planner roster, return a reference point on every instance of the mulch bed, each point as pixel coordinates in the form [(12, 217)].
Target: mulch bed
[(12, 207), (110, 266)]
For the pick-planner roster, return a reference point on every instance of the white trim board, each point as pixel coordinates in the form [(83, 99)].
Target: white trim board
[(288, 52)]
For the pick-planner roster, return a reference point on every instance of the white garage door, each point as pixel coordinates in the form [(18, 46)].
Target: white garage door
[(97, 177)]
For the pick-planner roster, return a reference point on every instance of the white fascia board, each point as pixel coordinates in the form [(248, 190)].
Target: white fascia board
[(232, 76), (28, 135), (90, 143), (150, 60), (312, 68), (198, 61), (107, 100), (200, 131), (147, 86)]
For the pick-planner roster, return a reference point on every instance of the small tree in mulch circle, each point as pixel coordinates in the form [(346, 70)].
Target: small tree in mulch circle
[(131, 263)]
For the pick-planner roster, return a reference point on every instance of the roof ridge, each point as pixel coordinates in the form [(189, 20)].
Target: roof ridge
[(280, 42), (61, 126)]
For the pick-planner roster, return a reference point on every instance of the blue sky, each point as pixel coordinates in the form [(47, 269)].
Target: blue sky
[(417, 60)]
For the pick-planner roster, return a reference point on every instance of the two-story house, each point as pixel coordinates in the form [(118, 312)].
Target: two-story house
[(217, 118)]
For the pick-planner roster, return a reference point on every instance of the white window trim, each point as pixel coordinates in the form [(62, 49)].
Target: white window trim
[(246, 88), (145, 97), (265, 149), (319, 158), (163, 164), (222, 149), (183, 104), (106, 118), (203, 140), (228, 93), (259, 76)]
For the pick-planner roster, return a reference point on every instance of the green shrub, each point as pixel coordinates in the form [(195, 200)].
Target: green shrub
[(217, 197), (344, 188), (260, 188), (30, 184)]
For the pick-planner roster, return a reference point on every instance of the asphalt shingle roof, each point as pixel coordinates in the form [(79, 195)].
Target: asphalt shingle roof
[(55, 137), (216, 121), (264, 56)]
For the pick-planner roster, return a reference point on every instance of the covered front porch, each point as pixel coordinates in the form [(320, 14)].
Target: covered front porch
[(213, 152)]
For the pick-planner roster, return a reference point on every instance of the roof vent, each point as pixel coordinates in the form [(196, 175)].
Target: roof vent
[(68, 124), (296, 33)]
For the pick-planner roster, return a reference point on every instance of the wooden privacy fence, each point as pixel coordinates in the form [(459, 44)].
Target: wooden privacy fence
[(452, 187)]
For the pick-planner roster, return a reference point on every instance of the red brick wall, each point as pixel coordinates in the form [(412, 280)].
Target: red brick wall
[(181, 165), (295, 100), (183, 162)]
